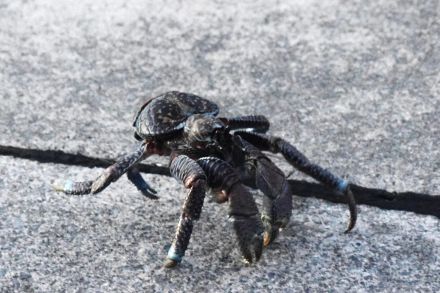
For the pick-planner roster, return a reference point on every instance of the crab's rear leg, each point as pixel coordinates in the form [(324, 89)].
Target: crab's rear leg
[(299, 161), (223, 179), (192, 176), (111, 174)]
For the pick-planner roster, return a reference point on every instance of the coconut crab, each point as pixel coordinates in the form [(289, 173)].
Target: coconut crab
[(220, 153)]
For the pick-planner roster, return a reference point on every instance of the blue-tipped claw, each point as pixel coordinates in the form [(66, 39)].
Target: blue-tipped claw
[(173, 258)]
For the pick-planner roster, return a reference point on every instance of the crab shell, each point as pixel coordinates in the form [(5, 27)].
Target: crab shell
[(164, 116)]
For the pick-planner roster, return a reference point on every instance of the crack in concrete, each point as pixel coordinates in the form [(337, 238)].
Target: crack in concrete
[(419, 203), (61, 157)]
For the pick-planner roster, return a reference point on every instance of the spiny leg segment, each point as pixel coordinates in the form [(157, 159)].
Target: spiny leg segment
[(192, 176), (123, 164), (299, 161)]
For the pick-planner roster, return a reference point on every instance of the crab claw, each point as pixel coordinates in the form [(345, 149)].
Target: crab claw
[(135, 177), (249, 232), (352, 207), (271, 230), (149, 192)]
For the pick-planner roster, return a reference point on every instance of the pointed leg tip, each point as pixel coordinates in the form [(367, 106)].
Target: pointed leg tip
[(348, 230), (270, 235), (251, 251), (258, 246), (150, 195), (247, 260), (170, 263), (352, 208), (59, 187), (351, 225), (266, 239)]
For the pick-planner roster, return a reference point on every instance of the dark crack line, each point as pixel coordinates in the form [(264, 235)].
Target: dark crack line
[(60, 157), (419, 203)]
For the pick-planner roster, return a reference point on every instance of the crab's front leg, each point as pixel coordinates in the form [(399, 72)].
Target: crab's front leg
[(242, 208), (110, 174), (302, 163), (258, 123), (260, 171), (135, 177), (192, 176)]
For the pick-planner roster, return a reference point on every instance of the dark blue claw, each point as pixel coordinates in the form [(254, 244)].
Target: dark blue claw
[(135, 177)]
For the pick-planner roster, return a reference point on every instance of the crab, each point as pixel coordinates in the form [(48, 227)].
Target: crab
[(223, 155)]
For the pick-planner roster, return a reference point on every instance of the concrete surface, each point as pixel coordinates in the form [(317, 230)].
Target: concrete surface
[(354, 84)]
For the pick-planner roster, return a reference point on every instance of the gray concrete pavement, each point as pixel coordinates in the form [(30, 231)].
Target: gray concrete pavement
[(353, 84), (117, 241)]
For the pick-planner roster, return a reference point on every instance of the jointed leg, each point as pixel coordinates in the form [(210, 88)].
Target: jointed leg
[(109, 175), (71, 187), (258, 123), (192, 176), (135, 177), (242, 208), (277, 200), (299, 161)]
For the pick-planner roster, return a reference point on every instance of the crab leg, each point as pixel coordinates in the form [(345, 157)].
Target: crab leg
[(299, 161), (111, 174), (257, 122), (135, 177), (277, 200), (78, 188), (192, 176), (242, 208)]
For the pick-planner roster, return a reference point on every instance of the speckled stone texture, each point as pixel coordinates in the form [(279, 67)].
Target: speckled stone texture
[(355, 85)]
